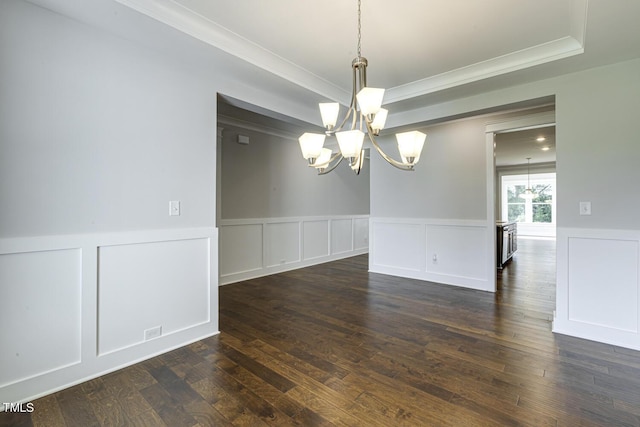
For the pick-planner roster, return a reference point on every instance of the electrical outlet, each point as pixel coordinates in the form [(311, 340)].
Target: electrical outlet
[(152, 333), (434, 259)]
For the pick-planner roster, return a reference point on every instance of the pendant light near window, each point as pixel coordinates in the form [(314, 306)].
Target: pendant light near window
[(528, 192)]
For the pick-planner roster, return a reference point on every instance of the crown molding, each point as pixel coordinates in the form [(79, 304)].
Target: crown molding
[(189, 22), (525, 58), (564, 47)]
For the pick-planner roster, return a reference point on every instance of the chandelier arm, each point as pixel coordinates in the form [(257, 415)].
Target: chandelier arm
[(360, 162), (384, 155), (328, 162), (332, 167), (353, 111)]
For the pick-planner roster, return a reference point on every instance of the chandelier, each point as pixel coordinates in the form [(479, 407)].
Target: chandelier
[(528, 193), (363, 115)]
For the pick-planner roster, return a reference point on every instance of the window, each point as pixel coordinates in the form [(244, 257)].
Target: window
[(539, 210)]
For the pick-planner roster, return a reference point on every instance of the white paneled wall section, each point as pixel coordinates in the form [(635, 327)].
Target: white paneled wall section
[(258, 247), (453, 252), (95, 303), (598, 285)]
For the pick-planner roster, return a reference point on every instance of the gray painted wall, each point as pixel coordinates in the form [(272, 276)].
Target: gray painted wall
[(597, 152), (96, 133), (448, 182), (99, 133), (269, 179), (598, 148)]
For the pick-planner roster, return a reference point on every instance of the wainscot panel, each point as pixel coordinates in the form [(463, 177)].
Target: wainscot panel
[(74, 319), (342, 236), (598, 285), (361, 233), (38, 287), (289, 243), (397, 245), (457, 251), (242, 245), (452, 252), (315, 238), (282, 243), (148, 290)]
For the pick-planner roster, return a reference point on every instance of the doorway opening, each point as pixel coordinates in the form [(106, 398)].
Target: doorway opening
[(526, 159)]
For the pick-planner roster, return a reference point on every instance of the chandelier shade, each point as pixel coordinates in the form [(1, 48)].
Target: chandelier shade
[(379, 121), (350, 143), (370, 100), (364, 114), (329, 112), (528, 194), (311, 145), (410, 145)]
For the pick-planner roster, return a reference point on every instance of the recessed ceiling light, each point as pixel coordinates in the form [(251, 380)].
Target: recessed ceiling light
[(541, 138), (545, 148)]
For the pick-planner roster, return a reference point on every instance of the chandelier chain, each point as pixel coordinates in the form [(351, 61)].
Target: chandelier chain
[(359, 31)]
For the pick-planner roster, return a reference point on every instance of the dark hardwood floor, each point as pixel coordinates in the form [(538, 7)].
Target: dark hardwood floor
[(335, 345)]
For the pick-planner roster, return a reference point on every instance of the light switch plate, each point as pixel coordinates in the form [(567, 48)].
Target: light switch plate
[(174, 208), (585, 208)]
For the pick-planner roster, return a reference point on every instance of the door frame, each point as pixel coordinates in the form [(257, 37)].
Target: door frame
[(524, 122)]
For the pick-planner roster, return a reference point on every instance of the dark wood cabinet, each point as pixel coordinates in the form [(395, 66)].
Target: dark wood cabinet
[(506, 241)]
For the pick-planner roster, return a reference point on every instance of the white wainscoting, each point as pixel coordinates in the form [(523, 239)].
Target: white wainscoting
[(38, 287), (598, 285), (258, 247), (75, 307), (453, 252)]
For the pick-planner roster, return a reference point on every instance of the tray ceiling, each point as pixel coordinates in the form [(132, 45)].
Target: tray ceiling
[(413, 47)]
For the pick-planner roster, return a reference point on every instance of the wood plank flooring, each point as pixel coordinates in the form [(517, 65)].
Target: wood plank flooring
[(334, 345)]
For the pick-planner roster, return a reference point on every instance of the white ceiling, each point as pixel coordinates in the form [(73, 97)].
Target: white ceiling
[(416, 49), (513, 148), (422, 51)]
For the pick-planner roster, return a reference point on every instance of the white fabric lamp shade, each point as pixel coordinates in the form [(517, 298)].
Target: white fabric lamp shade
[(528, 194), (379, 120), (311, 144), (410, 145), (329, 112), (350, 142), (370, 100)]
